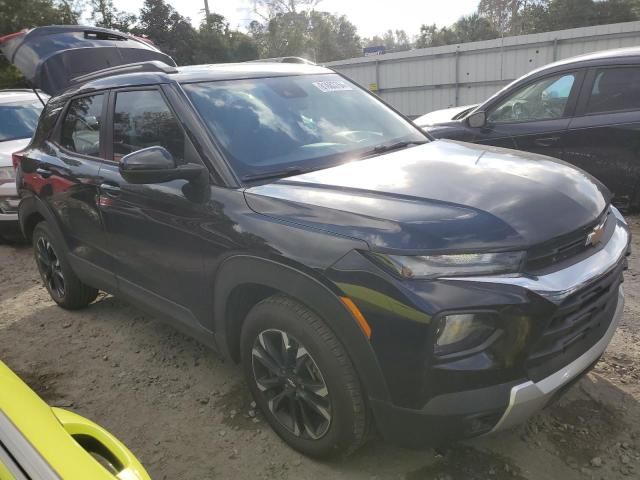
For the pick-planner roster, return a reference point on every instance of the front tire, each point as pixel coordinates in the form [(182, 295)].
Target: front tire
[(63, 285), (302, 379)]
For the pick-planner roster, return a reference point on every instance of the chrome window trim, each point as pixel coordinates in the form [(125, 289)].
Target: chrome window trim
[(25, 455), (9, 463)]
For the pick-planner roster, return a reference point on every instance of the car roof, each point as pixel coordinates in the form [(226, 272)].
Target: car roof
[(618, 56), (8, 97), (204, 73), (603, 57)]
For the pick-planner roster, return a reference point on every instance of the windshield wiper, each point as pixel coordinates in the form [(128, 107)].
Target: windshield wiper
[(287, 172), (394, 146)]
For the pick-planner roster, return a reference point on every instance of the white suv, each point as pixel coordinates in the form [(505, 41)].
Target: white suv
[(19, 114)]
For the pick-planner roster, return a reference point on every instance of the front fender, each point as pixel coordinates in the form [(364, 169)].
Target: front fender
[(320, 296)]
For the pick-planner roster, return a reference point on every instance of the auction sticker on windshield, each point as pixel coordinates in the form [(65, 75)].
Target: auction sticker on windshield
[(332, 86)]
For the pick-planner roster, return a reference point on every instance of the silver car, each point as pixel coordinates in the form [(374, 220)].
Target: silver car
[(19, 114)]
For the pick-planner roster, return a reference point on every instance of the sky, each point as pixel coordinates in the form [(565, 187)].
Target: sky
[(370, 16)]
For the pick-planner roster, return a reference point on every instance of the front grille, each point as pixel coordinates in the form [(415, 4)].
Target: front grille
[(564, 247), (579, 322)]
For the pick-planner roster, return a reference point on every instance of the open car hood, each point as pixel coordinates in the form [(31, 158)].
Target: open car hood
[(52, 57)]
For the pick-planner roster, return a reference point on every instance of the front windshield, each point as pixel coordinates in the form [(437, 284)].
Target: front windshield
[(304, 122), (18, 120)]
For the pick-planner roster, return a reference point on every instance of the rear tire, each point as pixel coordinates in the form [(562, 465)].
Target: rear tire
[(63, 285), (302, 379)]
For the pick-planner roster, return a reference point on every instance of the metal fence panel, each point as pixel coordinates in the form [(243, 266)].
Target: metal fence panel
[(419, 81)]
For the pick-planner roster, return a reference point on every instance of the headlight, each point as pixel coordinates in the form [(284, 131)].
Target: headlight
[(7, 174), (433, 266)]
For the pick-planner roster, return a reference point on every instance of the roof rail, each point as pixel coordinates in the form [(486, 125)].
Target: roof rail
[(139, 67), (17, 90)]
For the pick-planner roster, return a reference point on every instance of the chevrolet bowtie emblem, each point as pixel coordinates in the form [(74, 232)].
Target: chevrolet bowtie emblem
[(595, 236)]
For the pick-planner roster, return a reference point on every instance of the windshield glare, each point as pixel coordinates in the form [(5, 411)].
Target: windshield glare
[(18, 121), (305, 122)]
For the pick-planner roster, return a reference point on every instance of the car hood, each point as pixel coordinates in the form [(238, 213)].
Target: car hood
[(443, 195), (9, 147), (442, 116)]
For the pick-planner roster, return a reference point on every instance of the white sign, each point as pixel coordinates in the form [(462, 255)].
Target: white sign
[(332, 86)]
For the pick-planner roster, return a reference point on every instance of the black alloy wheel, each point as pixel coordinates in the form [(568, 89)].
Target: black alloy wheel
[(62, 283), (302, 379), (291, 382), (50, 267)]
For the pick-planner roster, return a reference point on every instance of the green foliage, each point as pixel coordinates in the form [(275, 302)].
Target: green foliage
[(104, 14), (471, 28), (318, 36), (516, 17), (19, 14), (212, 42), (10, 77), (392, 40), (216, 42)]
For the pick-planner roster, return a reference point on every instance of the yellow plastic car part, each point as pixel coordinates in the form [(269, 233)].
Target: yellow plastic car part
[(40, 437)]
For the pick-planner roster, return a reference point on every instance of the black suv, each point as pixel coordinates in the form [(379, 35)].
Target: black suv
[(363, 274), (584, 110)]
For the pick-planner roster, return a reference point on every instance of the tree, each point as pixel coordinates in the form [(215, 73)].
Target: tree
[(506, 16), (171, 32), (332, 37), (291, 31), (268, 9), (104, 14), (516, 17), (216, 43), (614, 11), (285, 34), (392, 40), (472, 28)]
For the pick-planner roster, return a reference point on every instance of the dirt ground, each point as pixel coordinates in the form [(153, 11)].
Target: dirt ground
[(187, 415)]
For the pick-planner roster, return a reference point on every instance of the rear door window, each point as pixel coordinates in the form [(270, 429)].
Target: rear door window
[(615, 90), (81, 125), (143, 119)]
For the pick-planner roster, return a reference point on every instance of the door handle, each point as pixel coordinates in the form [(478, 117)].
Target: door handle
[(44, 172), (546, 141), (110, 189)]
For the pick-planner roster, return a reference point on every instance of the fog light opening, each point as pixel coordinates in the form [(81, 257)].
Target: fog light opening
[(462, 333)]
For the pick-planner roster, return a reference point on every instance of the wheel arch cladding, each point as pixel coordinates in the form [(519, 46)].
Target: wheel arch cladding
[(33, 211), (244, 280)]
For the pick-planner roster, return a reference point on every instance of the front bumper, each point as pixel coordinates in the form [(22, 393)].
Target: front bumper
[(9, 201), (527, 398), (471, 413), (433, 401)]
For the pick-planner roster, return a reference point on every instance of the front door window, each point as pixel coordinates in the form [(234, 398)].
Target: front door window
[(545, 99)]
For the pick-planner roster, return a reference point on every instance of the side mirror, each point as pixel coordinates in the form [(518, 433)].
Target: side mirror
[(156, 165), (477, 119)]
